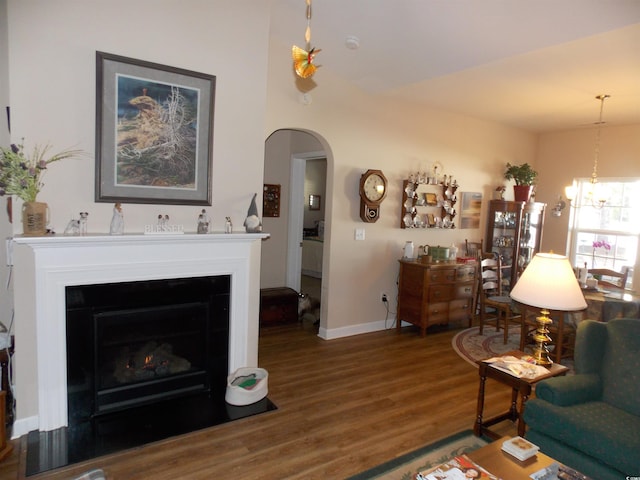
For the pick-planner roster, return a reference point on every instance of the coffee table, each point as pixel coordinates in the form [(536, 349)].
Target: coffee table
[(520, 387), (503, 465)]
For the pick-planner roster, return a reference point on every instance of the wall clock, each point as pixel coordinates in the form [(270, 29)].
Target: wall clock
[(373, 189)]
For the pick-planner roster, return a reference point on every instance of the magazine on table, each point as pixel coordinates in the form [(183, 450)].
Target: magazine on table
[(523, 367), (458, 468)]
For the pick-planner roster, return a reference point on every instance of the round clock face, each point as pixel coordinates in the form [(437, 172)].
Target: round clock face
[(374, 187)]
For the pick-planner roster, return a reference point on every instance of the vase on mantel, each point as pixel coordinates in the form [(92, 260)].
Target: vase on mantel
[(35, 218)]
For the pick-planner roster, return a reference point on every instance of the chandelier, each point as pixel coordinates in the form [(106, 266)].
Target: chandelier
[(596, 195)]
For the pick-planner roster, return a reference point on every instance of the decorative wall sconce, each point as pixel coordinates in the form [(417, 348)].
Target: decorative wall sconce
[(560, 205)]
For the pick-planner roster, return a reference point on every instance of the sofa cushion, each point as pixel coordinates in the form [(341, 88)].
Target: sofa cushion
[(594, 428), (621, 366)]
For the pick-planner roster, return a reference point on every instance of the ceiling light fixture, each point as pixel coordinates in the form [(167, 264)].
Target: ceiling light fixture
[(596, 195), (303, 57)]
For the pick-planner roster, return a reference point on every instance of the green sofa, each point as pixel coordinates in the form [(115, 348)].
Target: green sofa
[(591, 420)]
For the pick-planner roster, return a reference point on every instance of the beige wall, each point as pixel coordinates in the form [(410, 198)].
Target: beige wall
[(563, 156), (52, 92), (359, 132)]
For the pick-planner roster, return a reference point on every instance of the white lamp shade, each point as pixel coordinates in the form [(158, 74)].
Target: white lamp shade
[(549, 282)]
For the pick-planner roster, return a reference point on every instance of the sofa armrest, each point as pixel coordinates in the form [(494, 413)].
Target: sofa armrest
[(570, 390)]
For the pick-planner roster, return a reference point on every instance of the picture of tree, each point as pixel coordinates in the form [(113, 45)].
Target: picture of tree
[(157, 127)]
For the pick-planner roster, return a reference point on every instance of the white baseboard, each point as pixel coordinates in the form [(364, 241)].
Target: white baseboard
[(333, 333)]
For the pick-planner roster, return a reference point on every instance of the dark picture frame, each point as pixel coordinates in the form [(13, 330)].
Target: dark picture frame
[(315, 202), (154, 132), (271, 200)]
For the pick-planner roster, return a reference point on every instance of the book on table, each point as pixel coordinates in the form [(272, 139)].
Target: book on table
[(460, 467), (520, 448)]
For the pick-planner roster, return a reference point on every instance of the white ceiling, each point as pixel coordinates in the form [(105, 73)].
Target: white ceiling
[(531, 64)]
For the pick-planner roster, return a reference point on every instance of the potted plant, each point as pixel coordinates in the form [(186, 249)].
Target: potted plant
[(525, 177), (20, 175)]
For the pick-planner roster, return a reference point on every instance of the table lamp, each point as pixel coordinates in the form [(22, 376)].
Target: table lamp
[(548, 283)]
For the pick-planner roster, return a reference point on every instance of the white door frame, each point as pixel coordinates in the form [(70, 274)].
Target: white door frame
[(296, 216)]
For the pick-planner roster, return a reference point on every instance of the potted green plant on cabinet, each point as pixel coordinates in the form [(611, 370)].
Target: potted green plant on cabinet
[(525, 177)]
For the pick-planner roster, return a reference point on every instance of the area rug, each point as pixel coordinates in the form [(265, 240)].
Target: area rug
[(472, 346), (406, 466)]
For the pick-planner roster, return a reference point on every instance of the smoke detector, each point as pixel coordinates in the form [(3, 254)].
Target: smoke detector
[(352, 42)]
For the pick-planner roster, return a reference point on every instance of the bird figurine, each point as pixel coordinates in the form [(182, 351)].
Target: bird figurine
[(303, 61), (252, 223)]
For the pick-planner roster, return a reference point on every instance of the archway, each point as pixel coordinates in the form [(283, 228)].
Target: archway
[(287, 153)]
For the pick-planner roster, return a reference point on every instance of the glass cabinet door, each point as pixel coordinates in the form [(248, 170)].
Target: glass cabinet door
[(530, 233), (504, 232), (514, 231)]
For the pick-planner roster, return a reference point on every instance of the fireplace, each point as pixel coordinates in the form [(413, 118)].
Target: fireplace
[(46, 266), (49, 274), (133, 344)]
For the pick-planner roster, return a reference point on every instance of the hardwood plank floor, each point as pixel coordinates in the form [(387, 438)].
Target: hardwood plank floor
[(344, 406)]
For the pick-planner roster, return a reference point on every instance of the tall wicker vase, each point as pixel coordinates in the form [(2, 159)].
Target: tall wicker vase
[(35, 218)]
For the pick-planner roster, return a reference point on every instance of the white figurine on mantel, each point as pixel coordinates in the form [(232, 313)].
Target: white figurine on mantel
[(79, 226), (228, 226), (117, 221), (203, 222)]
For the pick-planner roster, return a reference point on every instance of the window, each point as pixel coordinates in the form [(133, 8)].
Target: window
[(606, 237)]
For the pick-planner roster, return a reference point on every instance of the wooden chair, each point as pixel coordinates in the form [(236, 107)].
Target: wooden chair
[(495, 308), (473, 249), (610, 278)]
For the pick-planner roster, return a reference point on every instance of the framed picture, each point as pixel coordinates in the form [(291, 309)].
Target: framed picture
[(154, 132), (431, 219), (431, 199), (271, 200), (470, 211), (314, 202)]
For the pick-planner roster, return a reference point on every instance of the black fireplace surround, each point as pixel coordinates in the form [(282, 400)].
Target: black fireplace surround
[(145, 360), (134, 344)]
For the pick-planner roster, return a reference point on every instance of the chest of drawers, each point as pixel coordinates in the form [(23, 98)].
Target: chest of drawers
[(435, 293)]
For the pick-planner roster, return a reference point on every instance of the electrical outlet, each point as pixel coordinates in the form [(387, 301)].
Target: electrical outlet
[(384, 298)]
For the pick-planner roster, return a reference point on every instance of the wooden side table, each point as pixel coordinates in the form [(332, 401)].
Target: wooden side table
[(520, 387)]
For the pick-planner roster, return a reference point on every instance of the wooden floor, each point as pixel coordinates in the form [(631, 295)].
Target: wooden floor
[(344, 406)]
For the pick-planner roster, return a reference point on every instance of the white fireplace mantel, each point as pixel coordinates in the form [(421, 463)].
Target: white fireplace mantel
[(44, 266)]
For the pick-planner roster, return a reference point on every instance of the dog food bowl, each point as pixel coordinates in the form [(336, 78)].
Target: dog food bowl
[(246, 386)]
